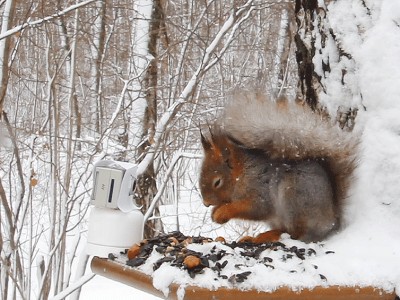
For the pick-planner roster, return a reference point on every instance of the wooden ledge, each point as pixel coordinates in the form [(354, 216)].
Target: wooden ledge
[(138, 280)]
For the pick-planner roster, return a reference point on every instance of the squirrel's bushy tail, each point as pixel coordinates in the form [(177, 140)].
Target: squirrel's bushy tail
[(290, 131), (286, 130)]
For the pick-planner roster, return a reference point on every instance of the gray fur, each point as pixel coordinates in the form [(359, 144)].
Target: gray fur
[(282, 164)]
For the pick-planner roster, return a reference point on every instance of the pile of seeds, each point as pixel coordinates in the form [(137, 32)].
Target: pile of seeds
[(175, 251)]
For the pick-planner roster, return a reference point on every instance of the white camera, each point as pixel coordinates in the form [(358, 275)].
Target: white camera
[(107, 185), (115, 222)]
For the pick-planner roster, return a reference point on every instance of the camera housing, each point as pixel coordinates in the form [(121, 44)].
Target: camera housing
[(115, 221), (107, 186)]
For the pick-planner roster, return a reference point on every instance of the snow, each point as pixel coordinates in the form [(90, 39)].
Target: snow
[(373, 231), (101, 288), (367, 250), (300, 272)]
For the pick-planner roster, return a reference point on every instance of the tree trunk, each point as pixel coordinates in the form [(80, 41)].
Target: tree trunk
[(321, 59), (147, 187), (309, 83), (5, 45), (285, 40), (97, 49)]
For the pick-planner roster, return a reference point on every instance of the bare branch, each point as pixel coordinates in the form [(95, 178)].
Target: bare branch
[(76, 285), (46, 19), (191, 85), (176, 158)]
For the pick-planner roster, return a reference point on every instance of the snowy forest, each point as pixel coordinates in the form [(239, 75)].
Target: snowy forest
[(134, 81)]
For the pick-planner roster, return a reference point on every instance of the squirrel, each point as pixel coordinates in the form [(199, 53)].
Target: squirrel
[(277, 162)]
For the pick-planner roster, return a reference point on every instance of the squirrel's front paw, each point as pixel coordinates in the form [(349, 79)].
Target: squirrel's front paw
[(220, 214)]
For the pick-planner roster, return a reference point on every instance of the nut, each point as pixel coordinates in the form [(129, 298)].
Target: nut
[(191, 262), (133, 251), (173, 241), (220, 239)]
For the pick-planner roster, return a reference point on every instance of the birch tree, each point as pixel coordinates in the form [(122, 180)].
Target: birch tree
[(144, 105), (97, 50)]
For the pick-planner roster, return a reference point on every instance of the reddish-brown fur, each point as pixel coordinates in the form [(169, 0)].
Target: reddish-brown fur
[(278, 163)]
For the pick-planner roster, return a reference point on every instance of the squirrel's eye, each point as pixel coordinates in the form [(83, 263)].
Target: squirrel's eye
[(217, 183)]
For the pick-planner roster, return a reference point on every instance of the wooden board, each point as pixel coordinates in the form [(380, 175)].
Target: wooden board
[(138, 280)]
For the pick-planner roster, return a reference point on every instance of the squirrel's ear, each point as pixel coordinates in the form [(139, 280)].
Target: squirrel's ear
[(205, 142)]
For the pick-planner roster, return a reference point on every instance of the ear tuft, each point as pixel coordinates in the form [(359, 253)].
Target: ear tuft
[(205, 141)]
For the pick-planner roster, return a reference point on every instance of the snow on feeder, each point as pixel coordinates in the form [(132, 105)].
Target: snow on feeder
[(115, 222)]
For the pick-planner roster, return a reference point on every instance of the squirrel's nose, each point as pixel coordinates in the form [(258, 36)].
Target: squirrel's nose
[(206, 203)]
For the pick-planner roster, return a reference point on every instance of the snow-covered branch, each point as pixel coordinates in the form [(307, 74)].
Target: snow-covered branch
[(174, 160), (235, 17), (43, 20), (76, 285)]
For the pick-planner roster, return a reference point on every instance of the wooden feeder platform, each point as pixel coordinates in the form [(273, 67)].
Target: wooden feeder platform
[(129, 276)]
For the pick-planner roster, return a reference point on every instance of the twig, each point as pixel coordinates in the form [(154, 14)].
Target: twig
[(76, 285), (45, 19)]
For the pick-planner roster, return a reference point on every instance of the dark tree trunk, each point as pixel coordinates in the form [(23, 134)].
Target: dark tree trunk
[(315, 60), (309, 82), (146, 185)]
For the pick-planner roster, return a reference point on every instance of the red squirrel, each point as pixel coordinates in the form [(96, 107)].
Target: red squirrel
[(277, 162)]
